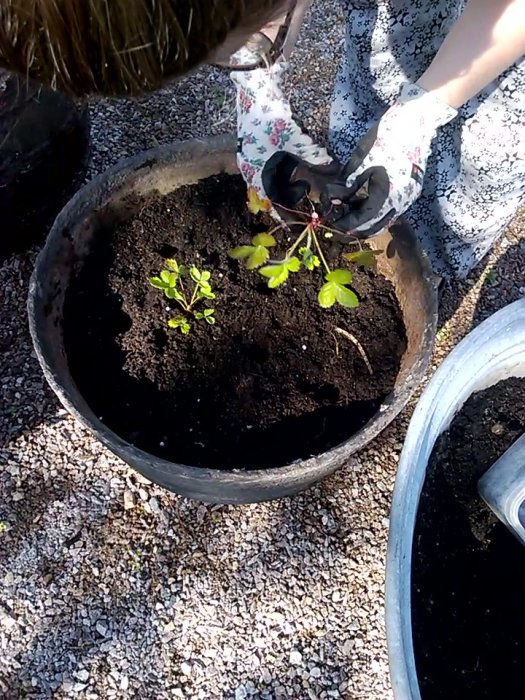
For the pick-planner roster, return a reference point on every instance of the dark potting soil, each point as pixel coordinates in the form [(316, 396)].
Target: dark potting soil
[(270, 383), (468, 571)]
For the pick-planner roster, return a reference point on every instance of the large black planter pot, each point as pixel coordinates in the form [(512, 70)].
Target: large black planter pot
[(96, 207), (44, 152)]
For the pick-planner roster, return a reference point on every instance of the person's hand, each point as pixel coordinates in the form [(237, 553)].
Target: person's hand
[(385, 173), (266, 128)]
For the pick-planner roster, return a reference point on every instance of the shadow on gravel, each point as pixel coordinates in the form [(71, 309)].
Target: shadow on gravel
[(502, 282)]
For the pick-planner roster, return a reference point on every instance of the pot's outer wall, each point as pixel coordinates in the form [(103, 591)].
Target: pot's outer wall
[(495, 350), (96, 207)]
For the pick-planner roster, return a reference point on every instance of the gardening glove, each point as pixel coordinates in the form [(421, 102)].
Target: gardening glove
[(265, 127), (385, 173)]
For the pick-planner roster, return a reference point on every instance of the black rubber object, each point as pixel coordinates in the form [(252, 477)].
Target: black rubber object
[(96, 208), (44, 152)]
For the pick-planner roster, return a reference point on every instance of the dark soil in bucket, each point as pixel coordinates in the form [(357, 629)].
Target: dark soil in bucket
[(468, 581), (270, 383)]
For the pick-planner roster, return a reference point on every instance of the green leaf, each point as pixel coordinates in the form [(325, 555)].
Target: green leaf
[(346, 297), (334, 291), (271, 270), (309, 260), (205, 276), (180, 322), (326, 295), (173, 293), (195, 274), (339, 276), (157, 282), (258, 257), (278, 272), (169, 277), (243, 251), (206, 315), (363, 257), (278, 279), (293, 264), (205, 294), (172, 264), (264, 239)]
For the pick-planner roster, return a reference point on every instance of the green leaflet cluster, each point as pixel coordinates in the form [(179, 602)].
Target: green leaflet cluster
[(256, 256), (175, 281)]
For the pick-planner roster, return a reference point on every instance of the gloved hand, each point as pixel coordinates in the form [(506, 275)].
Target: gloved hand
[(265, 127), (385, 173)]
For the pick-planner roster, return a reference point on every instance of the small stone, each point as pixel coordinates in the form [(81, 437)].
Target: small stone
[(9, 578), (17, 496), (82, 675), (296, 658), (266, 676), (143, 495), (79, 687), (185, 668), (7, 621), (315, 672), (124, 682), (129, 500), (141, 479), (101, 628), (336, 596), (154, 505), (497, 429), (240, 693)]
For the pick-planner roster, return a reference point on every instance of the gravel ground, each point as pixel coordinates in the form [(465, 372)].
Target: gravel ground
[(114, 588)]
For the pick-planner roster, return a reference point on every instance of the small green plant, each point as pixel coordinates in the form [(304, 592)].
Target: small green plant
[(491, 277), (309, 256), (172, 280), (136, 557)]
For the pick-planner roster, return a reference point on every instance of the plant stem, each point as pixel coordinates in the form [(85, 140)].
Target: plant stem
[(184, 303), (301, 236), (292, 211), (319, 250), (193, 296)]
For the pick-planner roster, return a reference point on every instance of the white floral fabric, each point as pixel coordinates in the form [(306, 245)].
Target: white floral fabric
[(265, 124), (475, 174), (402, 144)]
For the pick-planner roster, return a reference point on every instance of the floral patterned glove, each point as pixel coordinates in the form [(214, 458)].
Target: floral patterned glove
[(385, 173), (265, 126)]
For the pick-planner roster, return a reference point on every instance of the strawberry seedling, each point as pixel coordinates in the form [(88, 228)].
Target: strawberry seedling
[(172, 280)]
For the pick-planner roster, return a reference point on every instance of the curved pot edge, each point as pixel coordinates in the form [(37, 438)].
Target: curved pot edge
[(290, 478), (507, 361)]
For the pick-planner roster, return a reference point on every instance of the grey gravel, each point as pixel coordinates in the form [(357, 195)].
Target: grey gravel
[(115, 588)]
